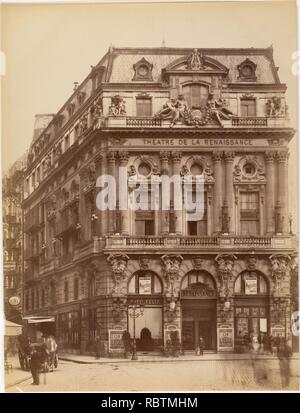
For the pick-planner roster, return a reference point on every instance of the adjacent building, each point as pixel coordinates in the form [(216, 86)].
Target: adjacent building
[(12, 195), (216, 113)]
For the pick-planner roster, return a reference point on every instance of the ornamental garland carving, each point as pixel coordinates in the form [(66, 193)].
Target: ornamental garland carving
[(254, 173), (280, 267), (118, 264), (203, 164)]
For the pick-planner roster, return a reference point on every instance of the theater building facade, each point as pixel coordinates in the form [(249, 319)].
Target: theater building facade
[(216, 113)]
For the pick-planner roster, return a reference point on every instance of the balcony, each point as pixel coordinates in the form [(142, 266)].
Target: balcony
[(65, 226), (193, 244), (31, 254), (235, 122)]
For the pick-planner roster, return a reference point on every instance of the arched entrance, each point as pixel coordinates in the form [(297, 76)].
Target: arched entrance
[(198, 303), (145, 290), (251, 306)]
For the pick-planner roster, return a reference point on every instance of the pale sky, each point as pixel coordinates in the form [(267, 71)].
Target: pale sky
[(48, 47)]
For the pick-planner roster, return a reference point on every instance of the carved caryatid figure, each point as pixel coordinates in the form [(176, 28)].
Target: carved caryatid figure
[(171, 268), (225, 263), (118, 264), (280, 267)]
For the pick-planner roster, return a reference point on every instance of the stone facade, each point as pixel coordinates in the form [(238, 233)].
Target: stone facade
[(12, 190), (220, 113)]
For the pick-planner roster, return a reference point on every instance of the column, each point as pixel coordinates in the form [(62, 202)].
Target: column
[(269, 201), (282, 197), (124, 213), (164, 162), (111, 166), (218, 197), (99, 167), (229, 194), (176, 157)]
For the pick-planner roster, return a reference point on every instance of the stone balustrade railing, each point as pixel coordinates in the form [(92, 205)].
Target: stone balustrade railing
[(235, 122)]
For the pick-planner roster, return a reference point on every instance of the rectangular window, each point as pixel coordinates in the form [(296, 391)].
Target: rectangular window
[(249, 213), (144, 107), (198, 228), (248, 107), (144, 227), (76, 289), (66, 291)]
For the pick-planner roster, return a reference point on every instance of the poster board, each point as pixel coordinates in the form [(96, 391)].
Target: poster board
[(225, 339), (115, 342)]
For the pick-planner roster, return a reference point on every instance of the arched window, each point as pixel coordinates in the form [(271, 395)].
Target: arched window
[(194, 278), (145, 283), (250, 283)]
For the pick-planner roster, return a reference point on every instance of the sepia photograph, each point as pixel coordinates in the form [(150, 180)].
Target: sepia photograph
[(149, 198)]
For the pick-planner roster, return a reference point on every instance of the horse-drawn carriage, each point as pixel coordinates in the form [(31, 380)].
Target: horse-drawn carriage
[(38, 333)]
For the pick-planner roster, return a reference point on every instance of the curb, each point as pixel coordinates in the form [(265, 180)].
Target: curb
[(166, 360), (7, 386)]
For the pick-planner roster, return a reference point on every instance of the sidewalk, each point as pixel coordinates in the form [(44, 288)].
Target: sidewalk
[(16, 375), (82, 359)]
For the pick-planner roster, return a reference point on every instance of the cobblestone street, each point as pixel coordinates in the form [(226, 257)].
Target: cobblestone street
[(202, 375)]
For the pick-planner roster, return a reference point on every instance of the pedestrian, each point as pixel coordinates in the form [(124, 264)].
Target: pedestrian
[(201, 345), (284, 353), (38, 359), (97, 347), (126, 343)]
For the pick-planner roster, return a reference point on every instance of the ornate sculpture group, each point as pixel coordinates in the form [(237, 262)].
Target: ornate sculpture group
[(178, 109), (117, 107), (275, 107)]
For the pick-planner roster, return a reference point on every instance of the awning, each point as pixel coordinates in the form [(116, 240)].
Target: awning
[(12, 329), (39, 319)]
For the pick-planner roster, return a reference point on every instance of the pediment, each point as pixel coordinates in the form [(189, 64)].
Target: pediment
[(196, 62)]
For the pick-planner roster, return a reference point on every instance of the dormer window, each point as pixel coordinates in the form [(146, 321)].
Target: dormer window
[(143, 70), (247, 71)]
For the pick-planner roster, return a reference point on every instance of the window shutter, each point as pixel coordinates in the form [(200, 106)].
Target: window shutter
[(143, 107)]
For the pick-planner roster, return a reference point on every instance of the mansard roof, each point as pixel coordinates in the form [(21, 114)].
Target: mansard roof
[(121, 61)]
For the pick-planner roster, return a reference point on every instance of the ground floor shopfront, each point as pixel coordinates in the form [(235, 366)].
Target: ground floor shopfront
[(224, 299)]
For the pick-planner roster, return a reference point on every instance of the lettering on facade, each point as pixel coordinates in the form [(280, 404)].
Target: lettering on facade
[(202, 292), (198, 142), (145, 301)]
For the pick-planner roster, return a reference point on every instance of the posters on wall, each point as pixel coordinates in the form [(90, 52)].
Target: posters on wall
[(145, 285), (250, 286)]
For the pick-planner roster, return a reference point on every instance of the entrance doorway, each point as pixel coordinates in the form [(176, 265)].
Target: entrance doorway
[(198, 321), (198, 303)]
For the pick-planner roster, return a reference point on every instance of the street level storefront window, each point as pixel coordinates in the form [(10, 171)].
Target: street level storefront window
[(251, 307), (92, 324), (145, 289), (68, 324)]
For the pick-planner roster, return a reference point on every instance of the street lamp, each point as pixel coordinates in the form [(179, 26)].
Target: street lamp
[(135, 311)]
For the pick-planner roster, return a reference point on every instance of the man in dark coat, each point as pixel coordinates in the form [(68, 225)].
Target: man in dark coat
[(38, 358)]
